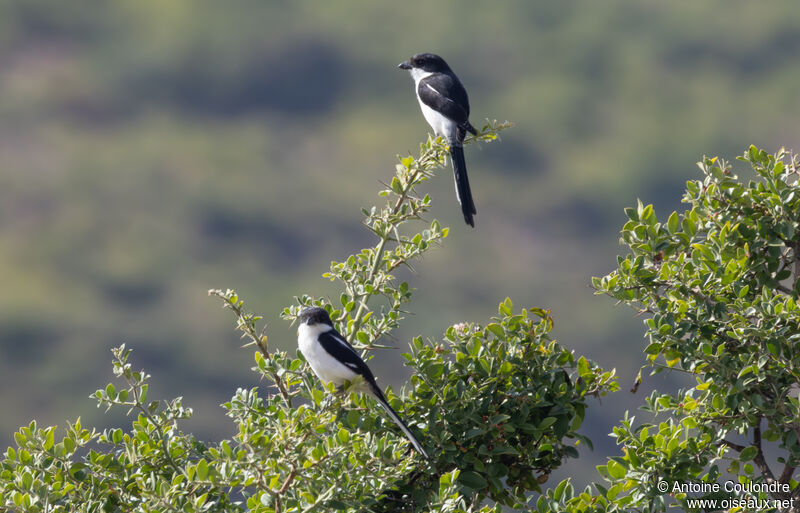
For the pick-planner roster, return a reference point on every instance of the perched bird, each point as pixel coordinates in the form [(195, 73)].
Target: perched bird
[(334, 360), (445, 105)]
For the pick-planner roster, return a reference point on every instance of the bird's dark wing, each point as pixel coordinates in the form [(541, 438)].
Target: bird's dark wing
[(444, 93), (338, 347)]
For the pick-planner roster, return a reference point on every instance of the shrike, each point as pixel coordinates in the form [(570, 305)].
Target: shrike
[(445, 105), (334, 360)]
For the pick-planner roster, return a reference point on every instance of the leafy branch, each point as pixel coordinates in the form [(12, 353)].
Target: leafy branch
[(246, 322), (367, 275)]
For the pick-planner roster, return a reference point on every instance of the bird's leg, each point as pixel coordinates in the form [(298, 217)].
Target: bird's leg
[(336, 396), (327, 401)]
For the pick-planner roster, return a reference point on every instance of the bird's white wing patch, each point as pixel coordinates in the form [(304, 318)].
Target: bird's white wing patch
[(432, 88), (347, 347)]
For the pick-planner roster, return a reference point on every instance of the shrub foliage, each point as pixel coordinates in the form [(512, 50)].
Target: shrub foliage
[(718, 285), (497, 406)]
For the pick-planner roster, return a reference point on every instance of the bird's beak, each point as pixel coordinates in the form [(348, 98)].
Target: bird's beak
[(404, 65)]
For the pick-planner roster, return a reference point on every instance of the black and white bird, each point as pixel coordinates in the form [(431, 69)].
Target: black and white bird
[(445, 105), (334, 360)]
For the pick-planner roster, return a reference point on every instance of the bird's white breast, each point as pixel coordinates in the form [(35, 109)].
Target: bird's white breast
[(442, 126), (327, 368)]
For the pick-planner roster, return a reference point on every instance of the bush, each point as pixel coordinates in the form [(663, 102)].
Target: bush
[(719, 287), (497, 407)]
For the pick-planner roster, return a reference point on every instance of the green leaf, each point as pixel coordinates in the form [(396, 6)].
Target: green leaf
[(673, 223), (689, 227), (615, 470), (546, 423), (496, 330), (583, 366), (748, 453), (49, 439), (396, 186), (614, 491), (773, 348), (506, 307), (473, 480), (654, 348), (560, 490), (747, 370), (202, 470)]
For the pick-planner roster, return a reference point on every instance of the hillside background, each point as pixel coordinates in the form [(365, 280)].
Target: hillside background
[(152, 150)]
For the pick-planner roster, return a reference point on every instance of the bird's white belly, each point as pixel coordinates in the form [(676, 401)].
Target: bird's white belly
[(442, 126), (327, 368)]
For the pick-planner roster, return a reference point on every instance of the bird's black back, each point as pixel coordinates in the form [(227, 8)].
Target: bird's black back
[(443, 92), (337, 346)]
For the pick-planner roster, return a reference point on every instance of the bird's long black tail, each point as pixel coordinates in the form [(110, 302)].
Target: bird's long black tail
[(376, 393), (462, 184)]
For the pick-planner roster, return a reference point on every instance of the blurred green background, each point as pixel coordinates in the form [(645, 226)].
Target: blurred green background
[(152, 150)]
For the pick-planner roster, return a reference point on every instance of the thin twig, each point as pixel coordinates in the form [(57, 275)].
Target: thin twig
[(736, 447), (248, 327)]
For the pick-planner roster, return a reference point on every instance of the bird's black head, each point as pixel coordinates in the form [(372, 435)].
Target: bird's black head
[(425, 61), (315, 315)]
